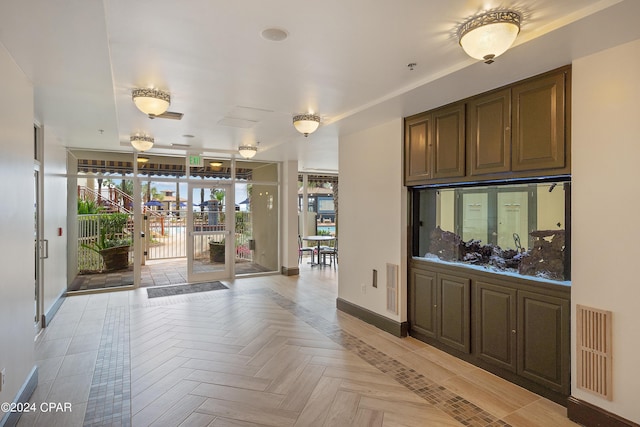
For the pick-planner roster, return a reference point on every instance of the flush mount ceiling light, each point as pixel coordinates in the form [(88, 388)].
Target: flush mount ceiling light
[(489, 35), (142, 142), (306, 123), (151, 101), (247, 151)]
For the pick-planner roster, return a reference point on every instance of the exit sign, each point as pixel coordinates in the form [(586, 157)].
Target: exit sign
[(195, 160)]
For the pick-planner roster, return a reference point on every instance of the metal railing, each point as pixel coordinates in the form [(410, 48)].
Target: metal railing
[(90, 230)]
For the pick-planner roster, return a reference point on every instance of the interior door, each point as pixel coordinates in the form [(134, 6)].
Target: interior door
[(209, 240)]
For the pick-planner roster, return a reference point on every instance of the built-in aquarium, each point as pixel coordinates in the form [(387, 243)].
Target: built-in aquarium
[(518, 229)]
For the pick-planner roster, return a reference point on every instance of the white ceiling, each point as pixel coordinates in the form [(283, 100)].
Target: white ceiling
[(345, 60)]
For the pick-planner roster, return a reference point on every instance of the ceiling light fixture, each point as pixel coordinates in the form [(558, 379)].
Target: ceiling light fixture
[(142, 159), (151, 101), (215, 164), (247, 151), (306, 123), (141, 142), (489, 35)]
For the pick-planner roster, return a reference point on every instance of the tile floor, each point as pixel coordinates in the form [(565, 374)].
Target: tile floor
[(268, 351)]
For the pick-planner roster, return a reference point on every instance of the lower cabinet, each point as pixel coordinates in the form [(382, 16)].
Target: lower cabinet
[(544, 340), (519, 328), (495, 325), (440, 308), (452, 312)]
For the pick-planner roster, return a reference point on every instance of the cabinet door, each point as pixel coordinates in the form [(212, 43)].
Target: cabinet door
[(417, 155), (543, 340), (538, 124), (448, 141), (489, 133), (453, 311), (423, 302), (495, 324)]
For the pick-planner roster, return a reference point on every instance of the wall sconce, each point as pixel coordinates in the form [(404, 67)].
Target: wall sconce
[(152, 102), (142, 159), (489, 35), (247, 151), (141, 142), (306, 123)]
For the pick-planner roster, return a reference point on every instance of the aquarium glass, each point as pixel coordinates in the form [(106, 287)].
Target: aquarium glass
[(513, 229)]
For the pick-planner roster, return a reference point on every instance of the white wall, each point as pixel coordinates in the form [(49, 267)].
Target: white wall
[(55, 216), (373, 216), (16, 227), (606, 210)]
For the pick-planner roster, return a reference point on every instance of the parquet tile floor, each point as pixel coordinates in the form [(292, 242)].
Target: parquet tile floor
[(269, 351)]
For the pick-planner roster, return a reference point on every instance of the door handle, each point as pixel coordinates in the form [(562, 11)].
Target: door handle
[(44, 248)]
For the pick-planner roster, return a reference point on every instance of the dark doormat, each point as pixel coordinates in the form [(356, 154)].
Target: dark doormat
[(167, 291)]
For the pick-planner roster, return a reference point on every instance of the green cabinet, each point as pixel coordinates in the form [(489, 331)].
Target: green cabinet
[(440, 308), (448, 141), (423, 302), (417, 160), (538, 124), (514, 327), (544, 340), (453, 312), (435, 144), (495, 324), (489, 133), (518, 131)]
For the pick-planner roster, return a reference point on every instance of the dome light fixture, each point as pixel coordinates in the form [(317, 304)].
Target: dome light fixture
[(152, 102), (490, 34), (142, 142), (306, 123), (247, 151)]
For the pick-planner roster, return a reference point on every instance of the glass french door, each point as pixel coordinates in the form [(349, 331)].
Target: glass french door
[(209, 238)]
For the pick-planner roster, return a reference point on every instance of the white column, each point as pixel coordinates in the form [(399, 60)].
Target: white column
[(289, 217)]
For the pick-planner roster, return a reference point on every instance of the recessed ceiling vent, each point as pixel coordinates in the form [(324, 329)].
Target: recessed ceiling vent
[(237, 123), (274, 34)]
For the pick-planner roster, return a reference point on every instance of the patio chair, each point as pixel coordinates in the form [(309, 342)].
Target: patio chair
[(303, 249), (331, 251)]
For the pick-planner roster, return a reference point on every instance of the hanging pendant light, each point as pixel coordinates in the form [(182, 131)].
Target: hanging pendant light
[(489, 35), (306, 123), (151, 101), (247, 151), (142, 142)]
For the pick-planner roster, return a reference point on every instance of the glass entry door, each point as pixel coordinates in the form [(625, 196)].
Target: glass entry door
[(209, 239)]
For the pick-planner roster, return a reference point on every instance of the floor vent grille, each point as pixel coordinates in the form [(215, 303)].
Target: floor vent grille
[(594, 351)]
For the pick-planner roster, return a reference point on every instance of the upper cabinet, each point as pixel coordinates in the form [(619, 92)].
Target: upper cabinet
[(448, 141), (489, 133), (435, 144), (518, 131), (417, 159), (538, 136)]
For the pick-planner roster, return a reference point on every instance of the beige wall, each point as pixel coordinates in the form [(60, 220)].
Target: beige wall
[(605, 208), (373, 211), (16, 228)]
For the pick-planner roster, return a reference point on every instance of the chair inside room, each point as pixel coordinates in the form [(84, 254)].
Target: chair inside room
[(303, 249), (332, 252)]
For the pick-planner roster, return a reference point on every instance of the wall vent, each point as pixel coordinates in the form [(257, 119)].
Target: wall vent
[(392, 288), (594, 351)]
